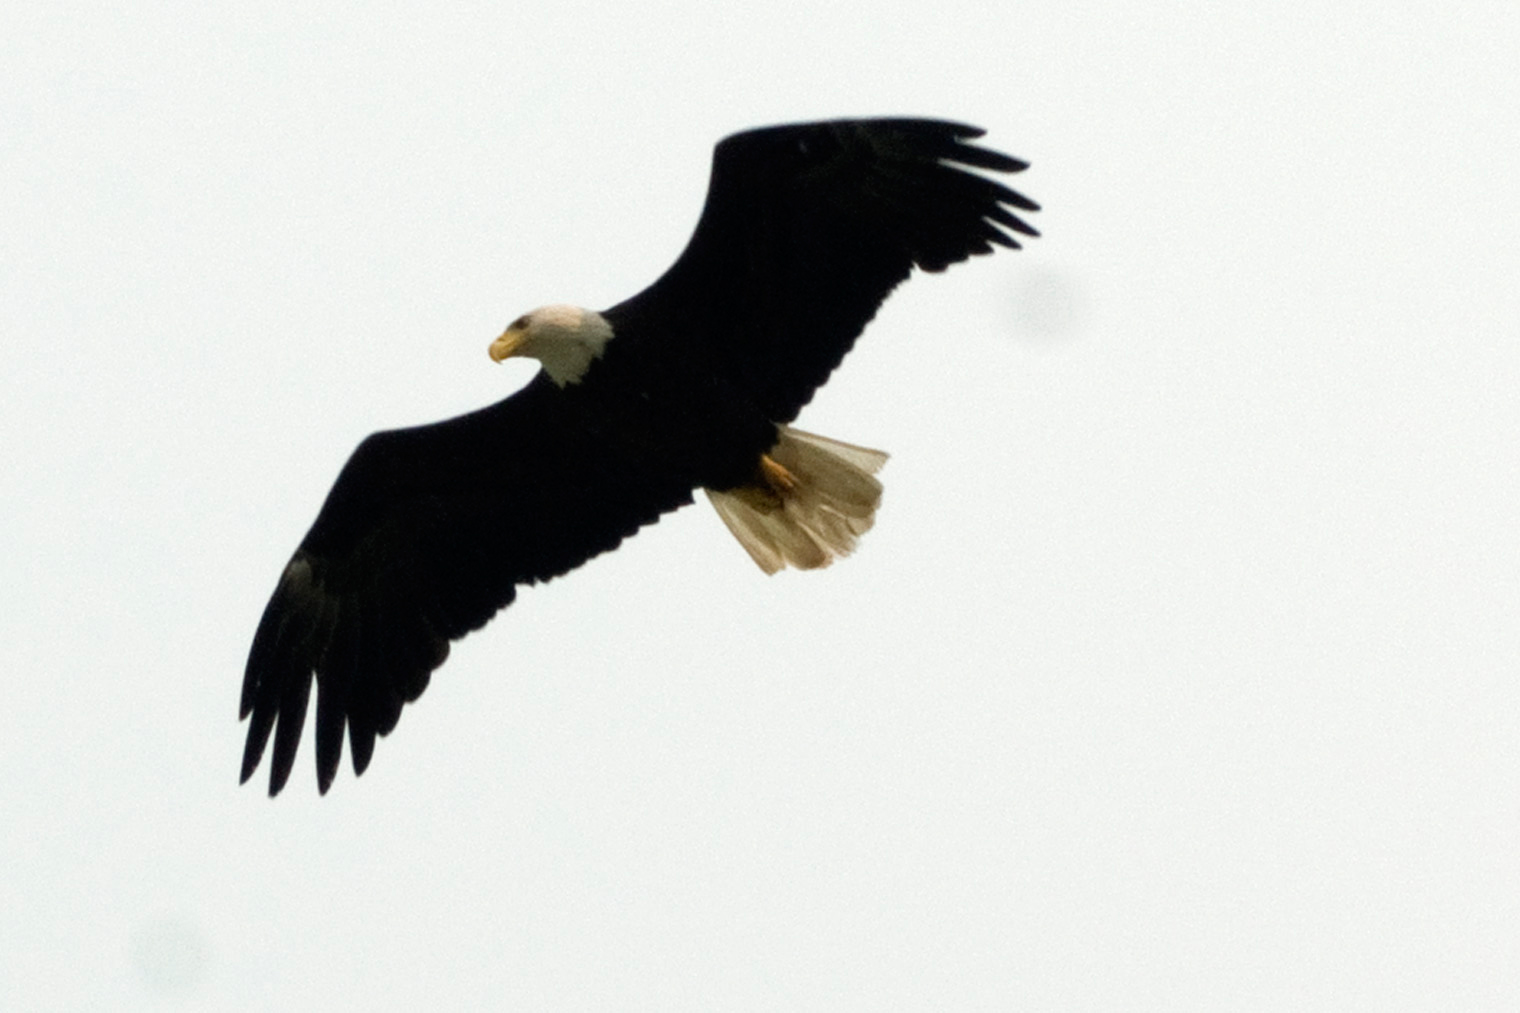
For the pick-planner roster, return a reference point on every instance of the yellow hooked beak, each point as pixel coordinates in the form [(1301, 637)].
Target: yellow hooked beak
[(509, 344)]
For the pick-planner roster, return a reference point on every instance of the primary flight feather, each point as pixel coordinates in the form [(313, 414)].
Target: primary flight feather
[(690, 384)]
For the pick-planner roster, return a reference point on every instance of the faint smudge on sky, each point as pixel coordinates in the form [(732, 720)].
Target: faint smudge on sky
[(1047, 305), (170, 954)]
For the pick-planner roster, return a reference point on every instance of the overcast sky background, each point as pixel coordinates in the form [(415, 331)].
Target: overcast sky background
[(1180, 670)]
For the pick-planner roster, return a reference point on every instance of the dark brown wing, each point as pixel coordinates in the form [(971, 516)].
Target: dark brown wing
[(425, 535), (806, 230)]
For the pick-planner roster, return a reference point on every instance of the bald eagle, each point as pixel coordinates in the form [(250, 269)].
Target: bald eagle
[(692, 383)]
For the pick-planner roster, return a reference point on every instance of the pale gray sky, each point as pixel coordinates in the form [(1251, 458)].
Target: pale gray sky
[(1180, 669)]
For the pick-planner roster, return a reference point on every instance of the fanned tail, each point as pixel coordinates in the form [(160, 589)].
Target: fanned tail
[(811, 500)]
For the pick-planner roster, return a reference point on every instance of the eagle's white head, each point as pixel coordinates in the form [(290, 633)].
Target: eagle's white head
[(566, 339)]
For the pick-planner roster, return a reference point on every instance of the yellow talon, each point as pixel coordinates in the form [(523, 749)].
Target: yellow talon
[(776, 475)]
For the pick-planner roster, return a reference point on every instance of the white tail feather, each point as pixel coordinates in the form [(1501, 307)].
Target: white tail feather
[(816, 519)]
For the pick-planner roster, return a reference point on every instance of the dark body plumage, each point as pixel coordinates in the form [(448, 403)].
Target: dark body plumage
[(428, 531)]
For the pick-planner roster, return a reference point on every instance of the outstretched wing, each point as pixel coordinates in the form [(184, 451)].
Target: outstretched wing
[(805, 232), (425, 535)]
